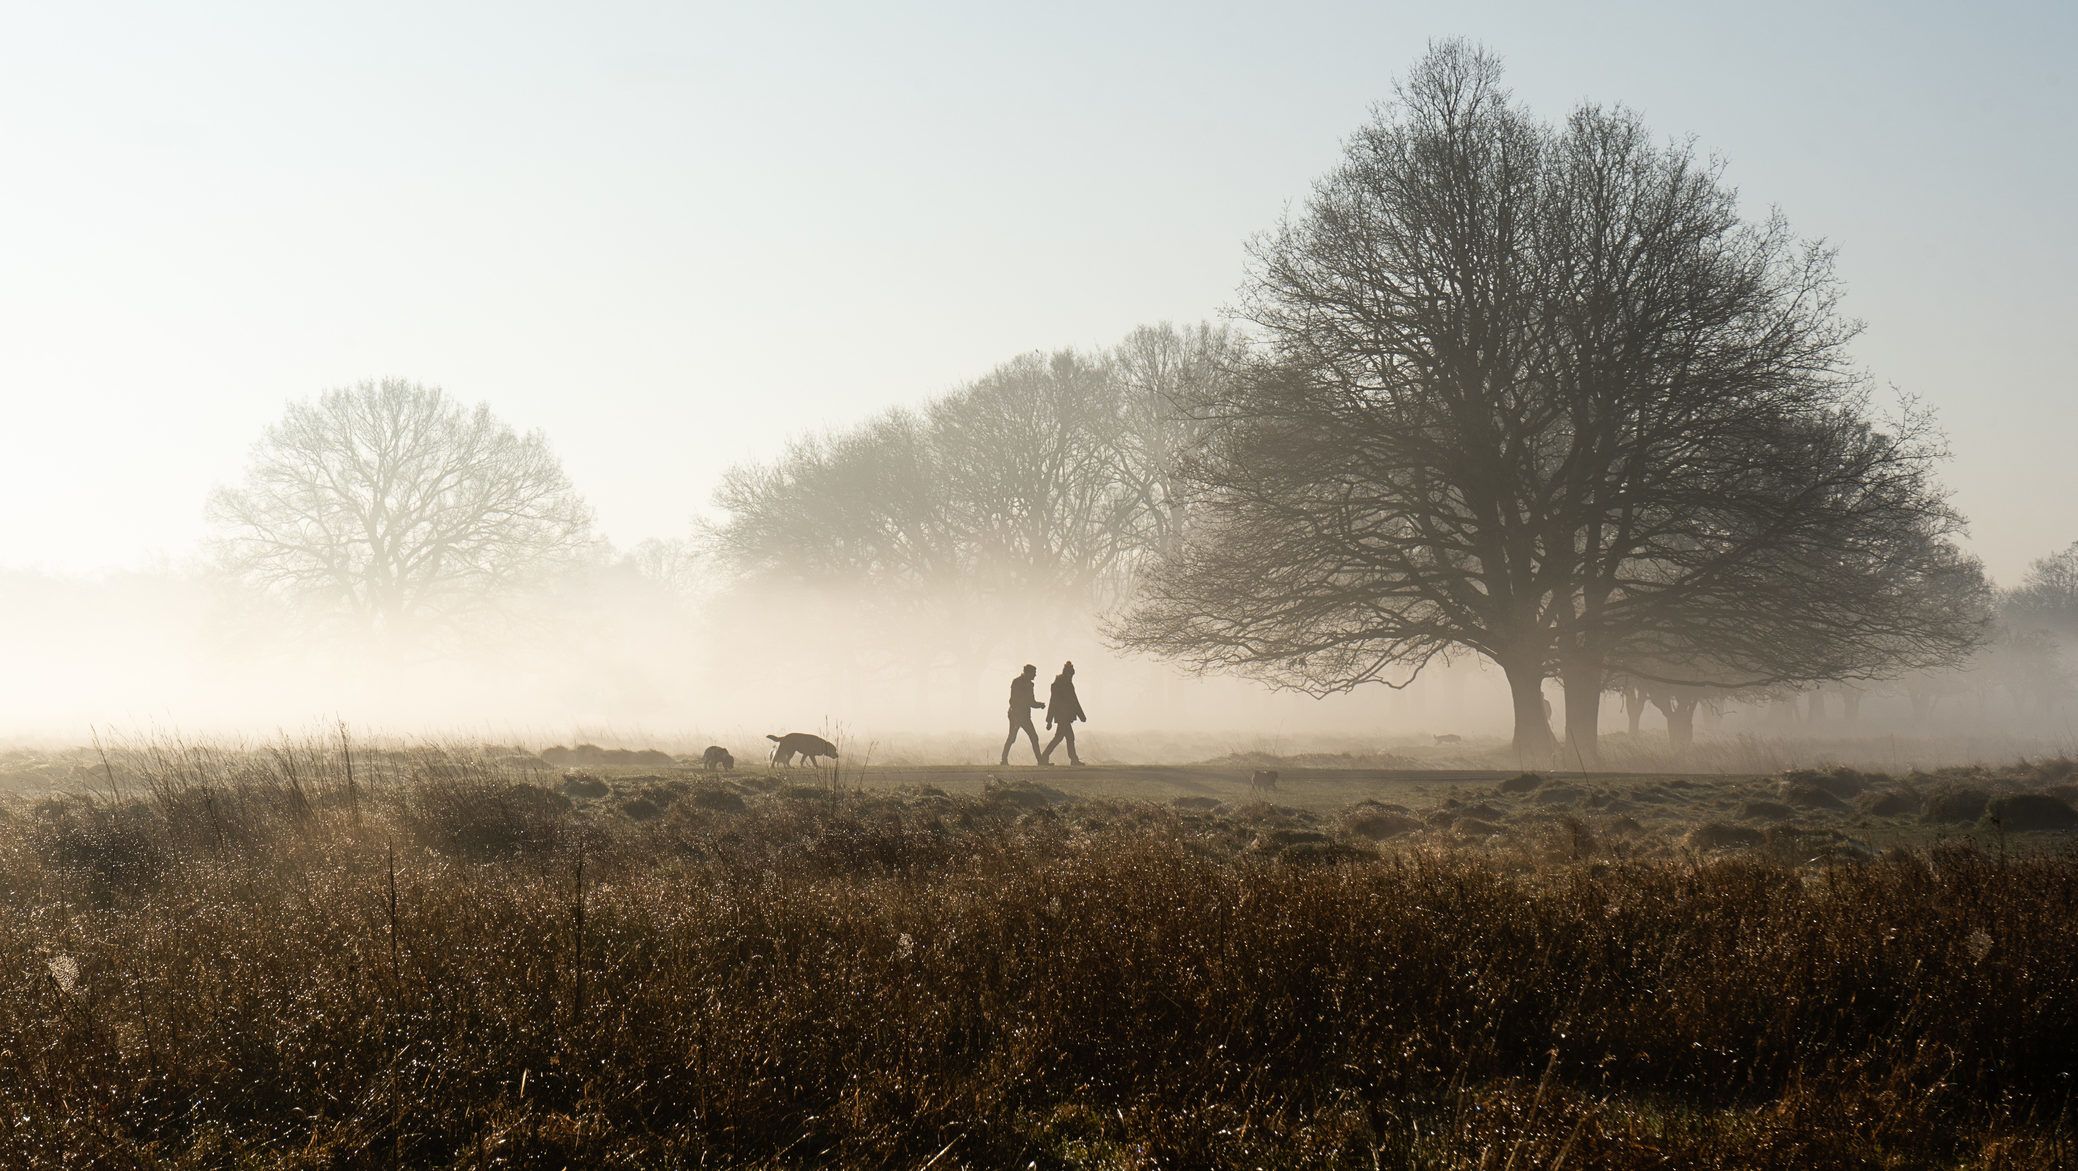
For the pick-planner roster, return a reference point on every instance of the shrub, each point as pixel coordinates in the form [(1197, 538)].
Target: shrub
[(1955, 804), (2025, 812), (1718, 835), (112, 847), (483, 818), (578, 783), (1380, 824), (718, 798), (1804, 793), (1889, 803)]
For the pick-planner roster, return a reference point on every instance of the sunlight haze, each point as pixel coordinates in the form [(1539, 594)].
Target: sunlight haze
[(670, 236)]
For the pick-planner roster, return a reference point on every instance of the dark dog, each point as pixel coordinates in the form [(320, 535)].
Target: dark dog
[(806, 745), (717, 757), (1264, 780)]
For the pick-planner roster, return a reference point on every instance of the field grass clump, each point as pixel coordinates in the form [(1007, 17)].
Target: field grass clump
[(463, 968), (2026, 812), (1956, 804)]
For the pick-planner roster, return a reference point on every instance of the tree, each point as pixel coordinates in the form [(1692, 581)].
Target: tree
[(1542, 395), (1164, 377), (1026, 458), (2047, 597), (391, 505), (1038, 489)]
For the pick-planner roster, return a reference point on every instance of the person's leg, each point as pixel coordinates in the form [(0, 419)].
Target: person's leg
[(1068, 731), (1012, 738), (1061, 732), (1034, 734)]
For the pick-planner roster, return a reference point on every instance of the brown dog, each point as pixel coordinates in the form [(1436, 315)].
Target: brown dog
[(806, 745), (717, 757), (1264, 781)]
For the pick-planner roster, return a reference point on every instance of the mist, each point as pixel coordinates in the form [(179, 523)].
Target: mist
[(841, 438), (615, 656)]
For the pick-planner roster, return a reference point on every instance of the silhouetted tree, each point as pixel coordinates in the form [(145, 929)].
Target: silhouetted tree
[(675, 566), (1037, 490), (2047, 597), (860, 506), (1165, 377), (1026, 456), (1542, 395), (393, 505)]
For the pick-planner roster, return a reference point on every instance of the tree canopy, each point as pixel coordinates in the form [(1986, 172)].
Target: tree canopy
[(1041, 487), (392, 507), (1540, 393)]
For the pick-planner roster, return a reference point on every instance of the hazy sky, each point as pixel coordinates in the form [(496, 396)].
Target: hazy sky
[(668, 235)]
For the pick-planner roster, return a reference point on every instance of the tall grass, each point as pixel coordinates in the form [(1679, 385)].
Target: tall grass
[(452, 968)]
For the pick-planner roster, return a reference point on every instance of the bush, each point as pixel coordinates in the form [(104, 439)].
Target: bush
[(112, 847), (1891, 803), (2026, 812), (722, 799), (1718, 835), (1805, 793), (1844, 783), (483, 818), (1380, 824), (1955, 804), (578, 783)]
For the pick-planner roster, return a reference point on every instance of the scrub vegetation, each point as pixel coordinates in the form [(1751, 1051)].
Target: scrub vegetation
[(321, 955)]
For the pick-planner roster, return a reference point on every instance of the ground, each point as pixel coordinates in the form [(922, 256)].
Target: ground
[(1819, 812)]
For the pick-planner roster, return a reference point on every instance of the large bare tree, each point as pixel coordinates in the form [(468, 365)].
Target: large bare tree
[(1540, 394), (392, 505)]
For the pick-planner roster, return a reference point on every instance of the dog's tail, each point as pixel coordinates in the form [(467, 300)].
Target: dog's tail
[(771, 737)]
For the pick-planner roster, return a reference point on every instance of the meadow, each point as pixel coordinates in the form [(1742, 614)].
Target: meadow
[(320, 954)]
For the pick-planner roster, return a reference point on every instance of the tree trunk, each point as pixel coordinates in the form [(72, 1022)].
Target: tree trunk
[(1816, 708), (1583, 681), (1681, 722), (1633, 708), (1533, 739), (1851, 706)]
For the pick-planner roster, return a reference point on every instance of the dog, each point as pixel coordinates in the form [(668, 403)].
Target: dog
[(1449, 738), (807, 745), (717, 757), (1264, 781)]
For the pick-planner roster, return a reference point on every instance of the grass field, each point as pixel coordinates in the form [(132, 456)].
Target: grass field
[(311, 955)]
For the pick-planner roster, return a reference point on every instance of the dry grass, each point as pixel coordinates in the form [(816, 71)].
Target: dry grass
[(252, 962)]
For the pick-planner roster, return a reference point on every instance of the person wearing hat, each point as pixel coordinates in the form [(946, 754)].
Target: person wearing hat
[(1062, 710)]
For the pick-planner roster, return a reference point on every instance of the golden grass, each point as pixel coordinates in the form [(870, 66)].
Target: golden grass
[(253, 963)]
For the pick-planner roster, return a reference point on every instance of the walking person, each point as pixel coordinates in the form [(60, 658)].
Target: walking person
[(1022, 701), (1062, 710)]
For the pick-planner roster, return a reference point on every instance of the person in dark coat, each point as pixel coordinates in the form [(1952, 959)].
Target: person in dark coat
[(1022, 701), (1062, 710)]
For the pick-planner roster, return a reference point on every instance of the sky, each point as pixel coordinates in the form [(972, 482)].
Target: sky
[(671, 235)]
